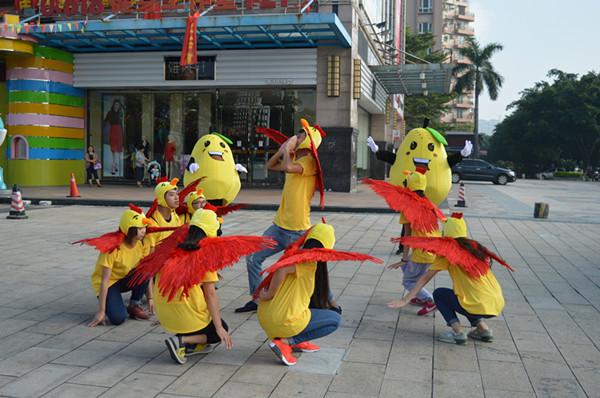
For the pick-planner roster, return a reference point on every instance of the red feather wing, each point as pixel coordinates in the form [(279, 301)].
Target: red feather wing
[(420, 212), (319, 183), (104, 243), (450, 249), (152, 208), (224, 210), (153, 263), (185, 269), (308, 255), (273, 134), (293, 248), (151, 230)]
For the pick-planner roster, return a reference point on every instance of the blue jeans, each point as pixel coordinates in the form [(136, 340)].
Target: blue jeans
[(448, 305), (322, 322), (284, 238), (116, 311), (412, 272)]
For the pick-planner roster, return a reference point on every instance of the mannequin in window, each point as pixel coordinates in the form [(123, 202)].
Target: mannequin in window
[(114, 118), (170, 148)]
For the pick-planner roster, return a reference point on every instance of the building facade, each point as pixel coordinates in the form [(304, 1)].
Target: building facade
[(91, 74), (450, 21)]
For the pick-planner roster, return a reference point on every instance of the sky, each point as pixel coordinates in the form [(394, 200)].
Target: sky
[(537, 35)]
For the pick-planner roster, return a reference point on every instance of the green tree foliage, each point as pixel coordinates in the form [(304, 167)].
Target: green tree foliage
[(476, 75), (552, 122), (432, 106)]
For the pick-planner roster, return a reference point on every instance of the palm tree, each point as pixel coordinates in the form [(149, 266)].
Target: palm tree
[(476, 75)]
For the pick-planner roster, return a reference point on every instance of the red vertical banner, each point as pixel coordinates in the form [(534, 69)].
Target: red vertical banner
[(189, 52)]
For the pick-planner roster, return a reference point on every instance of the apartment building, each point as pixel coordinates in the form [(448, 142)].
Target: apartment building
[(450, 21)]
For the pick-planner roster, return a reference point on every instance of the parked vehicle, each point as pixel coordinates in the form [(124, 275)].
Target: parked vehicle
[(546, 175), (480, 170)]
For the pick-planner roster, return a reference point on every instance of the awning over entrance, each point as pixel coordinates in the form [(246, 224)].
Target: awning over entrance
[(415, 79), (214, 33)]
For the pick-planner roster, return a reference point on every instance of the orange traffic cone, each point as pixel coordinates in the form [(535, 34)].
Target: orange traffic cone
[(17, 207), (74, 190)]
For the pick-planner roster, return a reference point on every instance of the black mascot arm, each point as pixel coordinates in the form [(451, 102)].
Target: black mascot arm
[(386, 156), (454, 159)]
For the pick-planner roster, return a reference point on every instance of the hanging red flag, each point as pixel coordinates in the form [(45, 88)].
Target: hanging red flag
[(189, 52)]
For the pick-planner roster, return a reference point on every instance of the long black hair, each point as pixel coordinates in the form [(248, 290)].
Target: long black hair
[(194, 236), (320, 296), (131, 234), (478, 251)]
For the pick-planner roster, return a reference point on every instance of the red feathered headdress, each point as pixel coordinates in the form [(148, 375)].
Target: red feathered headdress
[(180, 270), (191, 187), (299, 256), (110, 241), (451, 250), (422, 215)]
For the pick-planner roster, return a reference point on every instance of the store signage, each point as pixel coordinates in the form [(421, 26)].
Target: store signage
[(204, 69), (97, 7)]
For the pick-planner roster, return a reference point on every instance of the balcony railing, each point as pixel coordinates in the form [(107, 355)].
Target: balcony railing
[(465, 30), (425, 10)]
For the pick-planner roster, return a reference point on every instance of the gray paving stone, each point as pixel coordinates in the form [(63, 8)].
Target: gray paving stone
[(110, 371), (40, 381), (6, 379), (28, 360), (240, 353), (410, 368), (454, 357), (256, 369), (508, 394), (581, 355), (19, 342), (504, 376), (376, 331), (202, 380), (301, 384), (74, 337), (404, 389), (243, 390), (68, 390), (448, 382), (368, 351), (326, 361), (358, 378), (13, 326), (145, 348), (589, 378), (90, 353), (139, 385), (164, 365)]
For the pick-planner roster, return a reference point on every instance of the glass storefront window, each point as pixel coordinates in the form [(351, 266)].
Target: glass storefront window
[(172, 122)]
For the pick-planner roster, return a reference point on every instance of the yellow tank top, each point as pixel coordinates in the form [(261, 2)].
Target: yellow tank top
[(287, 313)]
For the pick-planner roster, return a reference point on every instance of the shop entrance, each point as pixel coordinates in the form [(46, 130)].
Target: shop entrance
[(167, 125)]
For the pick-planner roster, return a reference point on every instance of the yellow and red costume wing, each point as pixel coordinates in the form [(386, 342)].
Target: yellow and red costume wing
[(312, 255), (422, 215), (273, 134)]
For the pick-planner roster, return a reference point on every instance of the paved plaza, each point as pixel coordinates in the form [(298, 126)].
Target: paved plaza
[(546, 342)]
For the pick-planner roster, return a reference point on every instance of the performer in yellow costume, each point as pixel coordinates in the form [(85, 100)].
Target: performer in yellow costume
[(120, 253), (294, 304), (297, 157), (476, 293), (184, 267)]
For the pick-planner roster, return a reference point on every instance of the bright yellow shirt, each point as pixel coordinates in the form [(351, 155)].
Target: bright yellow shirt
[(481, 296), (184, 315), (418, 255), (294, 210), (158, 220), (287, 313), (120, 261)]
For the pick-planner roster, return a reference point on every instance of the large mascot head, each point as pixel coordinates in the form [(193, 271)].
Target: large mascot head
[(212, 161), (424, 147)]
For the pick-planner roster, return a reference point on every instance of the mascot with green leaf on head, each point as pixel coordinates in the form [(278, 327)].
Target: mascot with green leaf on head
[(424, 147), (212, 162)]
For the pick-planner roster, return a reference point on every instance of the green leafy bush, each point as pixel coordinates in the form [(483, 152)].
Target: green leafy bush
[(567, 174)]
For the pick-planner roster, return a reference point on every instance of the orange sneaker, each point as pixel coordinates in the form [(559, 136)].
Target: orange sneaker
[(306, 346), (282, 351), (137, 312)]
